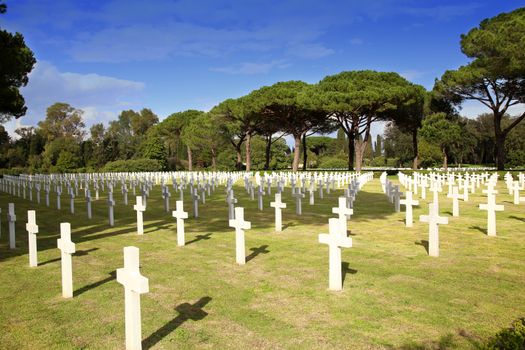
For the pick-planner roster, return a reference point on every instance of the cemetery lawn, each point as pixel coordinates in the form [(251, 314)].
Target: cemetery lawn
[(395, 296)]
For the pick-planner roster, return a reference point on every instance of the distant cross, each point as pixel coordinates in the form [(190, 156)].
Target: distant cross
[(88, 203), (298, 201), (139, 208), (433, 219), (32, 230), (134, 285), (11, 219), (59, 192), (491, 207), (396, 197), (344, 214), (195, 197), (67, 248), (278, 205), (240, 225), (166, 196), (71, 201), (408, 202), (455, 200), (180, 214), (335, 241), (111, 204), (231, 200)]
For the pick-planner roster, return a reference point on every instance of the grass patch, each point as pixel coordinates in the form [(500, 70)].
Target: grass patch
[(394, 297)]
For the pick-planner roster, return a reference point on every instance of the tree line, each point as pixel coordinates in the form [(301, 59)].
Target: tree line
[(424, 123)]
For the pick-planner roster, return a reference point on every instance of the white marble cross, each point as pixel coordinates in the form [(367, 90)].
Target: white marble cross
[(408, 202), (298, 201), (67, 247), (195, 197), (32, 230), (278, 205), (344, 214), (516, 193), (139, 208), (433, 220), (11, 218), (180, 214), (240, 225), (491, 207), (111, 204), (335, 240), (88, 203), (455, 200), (71, 201), (260, 194), (134, 285)]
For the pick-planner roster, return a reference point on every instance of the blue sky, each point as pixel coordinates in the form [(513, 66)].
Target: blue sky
[(107, 56)]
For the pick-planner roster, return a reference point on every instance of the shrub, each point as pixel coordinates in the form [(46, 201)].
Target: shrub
[(333, 163), (132, 165), (512, 338)]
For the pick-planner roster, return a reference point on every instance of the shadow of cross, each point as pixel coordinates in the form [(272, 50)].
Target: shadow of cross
[(257, 251), (112, 276), (199, 238), (186, 312), (84, 252)]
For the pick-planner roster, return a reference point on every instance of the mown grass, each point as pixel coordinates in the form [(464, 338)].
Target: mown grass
[(394, 297)]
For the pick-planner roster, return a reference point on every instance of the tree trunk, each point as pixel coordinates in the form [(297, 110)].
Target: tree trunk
[(213, 159), (296, 152), (267, 152), (238, 166), (416, 150), (190, 161), (248, 152), (359, 151), (445, 163), (499, 146), (351, 151), (305, 156)]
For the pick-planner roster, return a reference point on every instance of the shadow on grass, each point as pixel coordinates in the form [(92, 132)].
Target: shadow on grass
[(186, 312), (423, 243), (112, 276), (517, 218), (444, 342), (346, 269), (480, 229), (200, 238), (257, 251)]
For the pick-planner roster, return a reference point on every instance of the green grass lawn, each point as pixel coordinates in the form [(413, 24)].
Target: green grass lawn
[(395, 296)]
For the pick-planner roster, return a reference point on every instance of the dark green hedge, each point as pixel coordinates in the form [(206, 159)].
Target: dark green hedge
[(132, 165)]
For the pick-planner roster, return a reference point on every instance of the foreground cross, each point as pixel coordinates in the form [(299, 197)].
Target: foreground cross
[(67, 248), (180, 214), (139, 208), (408, 202), (335, 241), (278, 205), (134, 285), (32, 230), (433, 220), (491, 207), (240, 225)]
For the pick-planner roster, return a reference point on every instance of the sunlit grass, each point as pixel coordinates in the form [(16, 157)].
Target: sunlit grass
[(395, 296)]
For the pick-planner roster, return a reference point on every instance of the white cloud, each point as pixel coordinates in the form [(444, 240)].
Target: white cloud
[(356, 41), (250, 68), (101, 97)]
